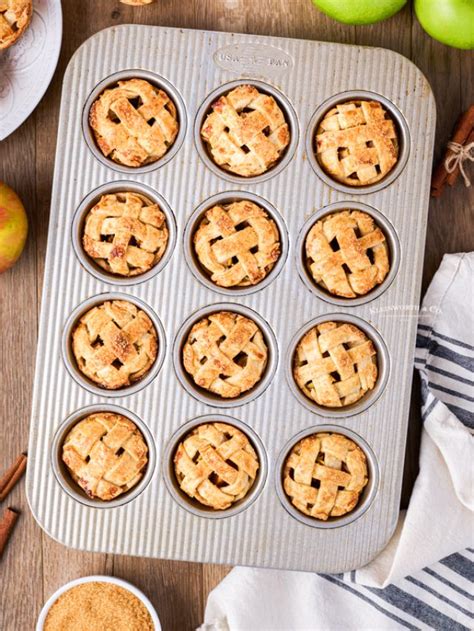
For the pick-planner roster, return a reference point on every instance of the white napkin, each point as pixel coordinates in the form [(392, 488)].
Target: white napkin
[(438, 522)]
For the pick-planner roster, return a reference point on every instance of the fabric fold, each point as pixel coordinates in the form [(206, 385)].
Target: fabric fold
[(406, 586)]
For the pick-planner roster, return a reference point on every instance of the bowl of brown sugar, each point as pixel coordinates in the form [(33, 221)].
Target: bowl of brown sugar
[(95, 603)]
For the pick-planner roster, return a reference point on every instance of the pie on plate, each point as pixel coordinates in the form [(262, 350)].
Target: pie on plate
[(15, 17), (324, 475), (357, 143), (225, 353), (216, 465), (115, 344), (246, 133), (134, 123), (105, 454), (335, 364), (237, 244), (125, 234), (347, 253)]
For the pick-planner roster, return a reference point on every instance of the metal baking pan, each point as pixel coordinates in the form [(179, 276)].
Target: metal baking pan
[(306, 78)]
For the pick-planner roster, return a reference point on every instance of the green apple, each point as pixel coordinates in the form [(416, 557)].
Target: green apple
[(13, 227), (449, 21), (360, 11)]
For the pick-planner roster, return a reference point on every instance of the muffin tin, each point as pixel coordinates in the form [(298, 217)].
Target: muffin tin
[(306, 78)]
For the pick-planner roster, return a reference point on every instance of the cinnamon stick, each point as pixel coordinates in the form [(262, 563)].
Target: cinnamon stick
[(12, 475), (452, 177), (7, 524), (462, 130)]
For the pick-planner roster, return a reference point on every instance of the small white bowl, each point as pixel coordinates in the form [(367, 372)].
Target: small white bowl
[(98, 579)]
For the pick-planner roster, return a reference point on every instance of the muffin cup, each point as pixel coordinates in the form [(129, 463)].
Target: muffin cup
[(78, 227), (65, 479), (205, 396), (367, 496), (290, 117), (192, 505), (368, 399), (392, 242), (70, 360), (157, 81), (402, 133), (228, 198)]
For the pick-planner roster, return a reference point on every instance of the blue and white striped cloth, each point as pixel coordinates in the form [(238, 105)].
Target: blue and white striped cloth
[(406, 586)]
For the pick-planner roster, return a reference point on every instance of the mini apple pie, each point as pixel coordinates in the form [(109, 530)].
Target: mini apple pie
[(357, 143), (125, 234), (347, 253), (115, 344), (225, 353), (15, 17), (216, 465), (105, 454), (238, 244), (335, 364), (246, 133), (134, 123), (324, 475)]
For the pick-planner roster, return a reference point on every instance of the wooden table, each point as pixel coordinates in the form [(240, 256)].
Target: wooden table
[(34, 565)]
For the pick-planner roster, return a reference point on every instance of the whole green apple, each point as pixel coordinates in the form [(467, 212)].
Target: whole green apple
[(359, 11), (13, 227), (449, 21)]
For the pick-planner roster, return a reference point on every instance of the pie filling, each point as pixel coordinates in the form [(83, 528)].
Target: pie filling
[(216, 465)]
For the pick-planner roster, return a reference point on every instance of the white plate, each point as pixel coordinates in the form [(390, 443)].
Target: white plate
[(98, 579), (27, 67)]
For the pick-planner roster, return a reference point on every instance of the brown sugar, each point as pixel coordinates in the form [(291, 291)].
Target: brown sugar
[(98, 606)]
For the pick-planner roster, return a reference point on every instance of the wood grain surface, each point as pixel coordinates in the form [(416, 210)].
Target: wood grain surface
[(33, 565)]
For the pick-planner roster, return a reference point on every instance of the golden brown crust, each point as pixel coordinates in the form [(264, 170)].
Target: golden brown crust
[(335, 364), (246, 133), (225, 353), (237, 244), (105, 454), (216, 465), (347, 254), (357, 143), (115, 344), (15, 17), (125, 233), (324, 475), (134, 123)]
